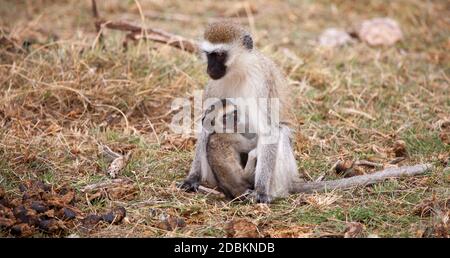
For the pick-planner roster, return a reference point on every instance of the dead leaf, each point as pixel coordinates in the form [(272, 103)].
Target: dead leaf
[(52, 129), (399, 149), (241, 228), (114, 190), (10, 45), (290, 232), (51, 211), (439, 230), (170, 223), (95, 195), (354, 230), (2, 193), (429, 207), (68, 197), (174, 142), (354, 171), (6, 223), (124, 192), (321, 201), (343, 166), (118, 164), (444, 135), (22, 230)]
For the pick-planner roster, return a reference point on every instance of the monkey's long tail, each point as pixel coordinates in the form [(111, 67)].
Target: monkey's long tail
[(406, 171)]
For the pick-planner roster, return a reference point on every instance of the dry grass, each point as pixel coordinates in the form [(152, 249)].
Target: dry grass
[(65, 95)]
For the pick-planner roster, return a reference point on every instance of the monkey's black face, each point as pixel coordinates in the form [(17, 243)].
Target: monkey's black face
[(216, 65)]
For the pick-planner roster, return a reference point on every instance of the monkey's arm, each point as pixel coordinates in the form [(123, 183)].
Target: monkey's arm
[(249, 170), (363, 180), (264, 172), (194, 177)]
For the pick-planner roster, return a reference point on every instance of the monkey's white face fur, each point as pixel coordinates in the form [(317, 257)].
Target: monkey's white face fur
[(209, 47), (234, 52)]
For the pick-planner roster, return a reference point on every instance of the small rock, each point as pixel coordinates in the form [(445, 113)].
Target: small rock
[(25, 215), (39, 206), (115, 216), (91, 220), (68, 214), (380, 31), (333, 37), (50, 225)]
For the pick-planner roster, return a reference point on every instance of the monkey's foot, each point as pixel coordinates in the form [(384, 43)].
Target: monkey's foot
[(248, 195), (254, 197), (263, 198), (188, 185)]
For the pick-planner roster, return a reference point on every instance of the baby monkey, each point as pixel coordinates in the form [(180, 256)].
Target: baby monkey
[(230, 155)]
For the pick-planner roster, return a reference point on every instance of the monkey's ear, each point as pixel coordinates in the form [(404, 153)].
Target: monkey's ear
[(248, 42)]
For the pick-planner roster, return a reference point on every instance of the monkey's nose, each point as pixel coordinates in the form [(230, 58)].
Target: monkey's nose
[(215, 74)]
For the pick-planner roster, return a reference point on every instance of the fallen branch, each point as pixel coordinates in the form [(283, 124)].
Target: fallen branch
[(397, 160), (363, 180), (367, 163), (207, 190), (106, 184), (189, 18), (136, 33), (160, 36)]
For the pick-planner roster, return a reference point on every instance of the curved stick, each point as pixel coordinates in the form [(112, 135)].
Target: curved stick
[(363, 180)]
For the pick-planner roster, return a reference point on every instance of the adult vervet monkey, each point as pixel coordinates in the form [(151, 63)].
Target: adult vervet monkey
[(238, 71)]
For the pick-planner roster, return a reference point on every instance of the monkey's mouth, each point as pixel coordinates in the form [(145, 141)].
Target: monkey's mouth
[(216, 74)]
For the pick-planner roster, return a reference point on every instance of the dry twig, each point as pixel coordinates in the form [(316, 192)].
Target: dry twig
[(364, 180), (136, 32)]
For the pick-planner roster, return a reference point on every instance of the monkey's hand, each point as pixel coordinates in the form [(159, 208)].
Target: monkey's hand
[(189, 185), (249, 195)]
